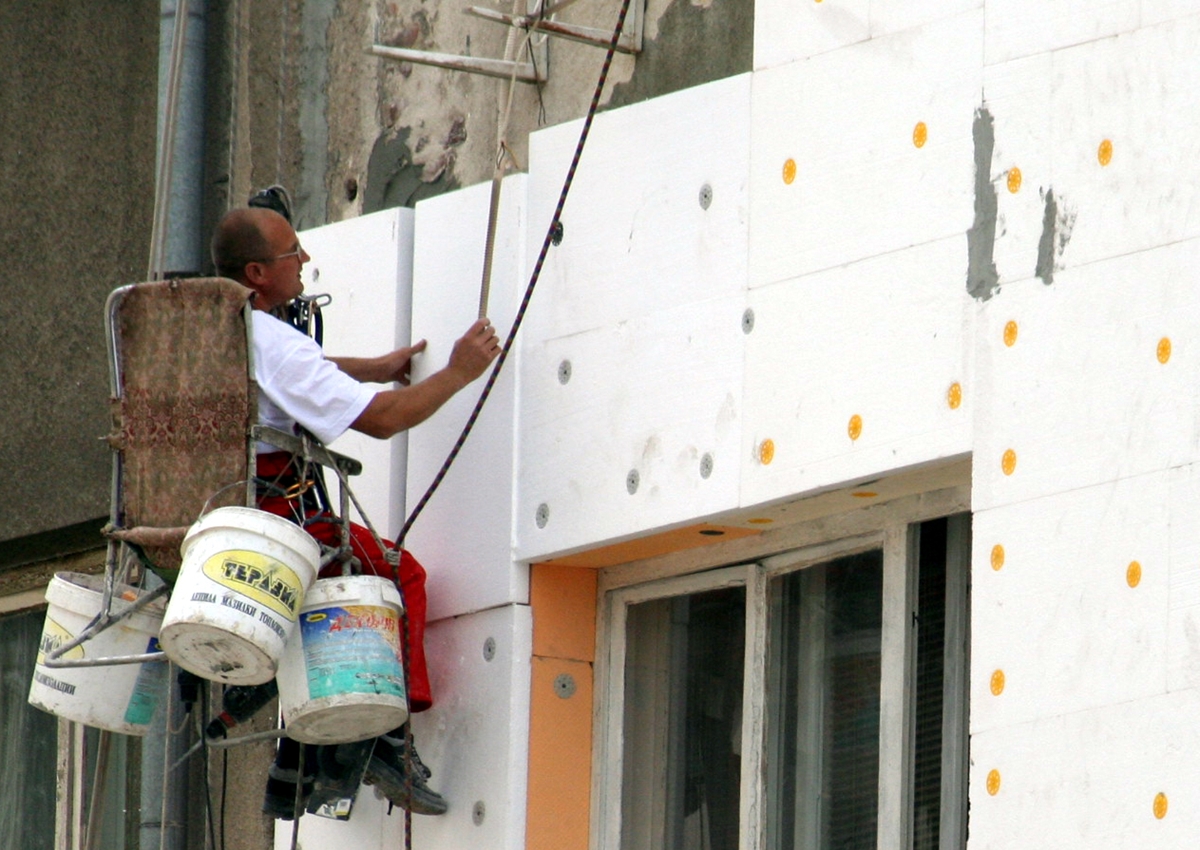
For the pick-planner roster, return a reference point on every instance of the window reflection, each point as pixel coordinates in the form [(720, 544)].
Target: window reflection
[(683, 699), (823, 706)]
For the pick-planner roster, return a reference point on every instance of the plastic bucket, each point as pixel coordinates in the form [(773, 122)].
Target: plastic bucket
[(342, 679), (240, 589), (118, 697)]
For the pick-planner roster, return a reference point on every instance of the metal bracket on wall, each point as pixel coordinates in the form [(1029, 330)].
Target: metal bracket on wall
[(532, 70), (538, 18), (544, 21)]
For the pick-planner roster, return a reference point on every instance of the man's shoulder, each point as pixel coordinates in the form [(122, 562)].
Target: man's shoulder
[(269, 329)]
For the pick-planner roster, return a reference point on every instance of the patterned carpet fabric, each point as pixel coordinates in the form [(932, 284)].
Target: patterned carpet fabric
[(185, 405)]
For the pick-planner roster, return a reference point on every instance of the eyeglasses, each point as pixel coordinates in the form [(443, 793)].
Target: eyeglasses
[(295, 254)]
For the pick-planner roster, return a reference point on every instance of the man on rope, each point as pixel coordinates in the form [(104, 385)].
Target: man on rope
[(298, 384)]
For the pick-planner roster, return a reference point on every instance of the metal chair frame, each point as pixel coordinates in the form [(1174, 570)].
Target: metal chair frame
[(112, 611)]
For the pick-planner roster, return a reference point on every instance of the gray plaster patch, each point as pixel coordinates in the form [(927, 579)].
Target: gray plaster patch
[(395, 180), (983, 281), (695, 44), (1056, 233), (1045, 258)]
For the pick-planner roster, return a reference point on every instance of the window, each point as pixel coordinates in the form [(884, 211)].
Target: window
[(810, 700), (51, 763), (28, 746)]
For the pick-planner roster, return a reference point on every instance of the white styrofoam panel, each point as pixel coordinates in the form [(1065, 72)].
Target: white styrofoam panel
[(785, 30), (476, 736), (1157, 11), (883, 339), (636, 236), (475, 739), (889, 16), (1017, 96), (1081, 396), (1183, 650), (1137, 92), (1090, 779), (1059, 618), (847, 120), (365, 264), (369, 826), (653, 395), (1017, 28), (464, 535)]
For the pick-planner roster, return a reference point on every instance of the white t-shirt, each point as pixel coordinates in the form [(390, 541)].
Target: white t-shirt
[(297, 384)]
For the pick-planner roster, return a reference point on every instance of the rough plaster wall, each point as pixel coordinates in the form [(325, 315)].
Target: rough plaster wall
[(257, 84), (298, 99), (420, 130), (76, 190)]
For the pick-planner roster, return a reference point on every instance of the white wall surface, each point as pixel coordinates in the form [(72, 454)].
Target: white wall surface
[(1089, 779), (476, 737), (644, 299), (846, 119), (464, 535), (365, 264)]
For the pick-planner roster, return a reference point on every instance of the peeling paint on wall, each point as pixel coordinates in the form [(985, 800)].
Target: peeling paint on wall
[(1056, 233), (982, 278)]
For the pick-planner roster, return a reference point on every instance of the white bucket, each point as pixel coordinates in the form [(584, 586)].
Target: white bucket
[(119, 697), (342, 679), (240, 589)]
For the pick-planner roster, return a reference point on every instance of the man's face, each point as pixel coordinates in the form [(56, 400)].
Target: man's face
[(278, 276)]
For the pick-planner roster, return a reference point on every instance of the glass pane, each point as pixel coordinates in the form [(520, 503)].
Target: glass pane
[(823, 706), (683, 722), (29, 745), (939, 797), (931, 653)]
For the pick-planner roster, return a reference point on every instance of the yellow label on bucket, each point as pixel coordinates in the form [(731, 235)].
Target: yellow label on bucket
[(54, 636), (257, 577)]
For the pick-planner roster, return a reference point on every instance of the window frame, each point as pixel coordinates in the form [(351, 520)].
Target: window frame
[(892, 527)]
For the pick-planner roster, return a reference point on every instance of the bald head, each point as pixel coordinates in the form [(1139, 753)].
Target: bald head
[(240, 239)]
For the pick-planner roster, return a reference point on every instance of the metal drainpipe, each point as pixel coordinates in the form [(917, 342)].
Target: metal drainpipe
[(183, 249), (178, 227)]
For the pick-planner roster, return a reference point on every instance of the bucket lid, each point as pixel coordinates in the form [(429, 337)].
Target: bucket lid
[(352, 590), (258, 522)]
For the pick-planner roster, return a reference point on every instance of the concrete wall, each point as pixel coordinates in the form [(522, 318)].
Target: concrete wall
[(76, 200)]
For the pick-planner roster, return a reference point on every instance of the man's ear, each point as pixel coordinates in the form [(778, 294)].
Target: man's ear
[(254, 275)]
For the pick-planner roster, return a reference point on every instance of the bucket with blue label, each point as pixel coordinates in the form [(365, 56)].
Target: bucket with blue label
[(342, 678)]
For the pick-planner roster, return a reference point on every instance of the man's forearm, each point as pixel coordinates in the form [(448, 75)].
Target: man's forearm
[(367, 370), (393, 411)]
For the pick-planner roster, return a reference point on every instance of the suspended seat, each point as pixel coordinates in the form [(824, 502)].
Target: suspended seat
[(184, 408)]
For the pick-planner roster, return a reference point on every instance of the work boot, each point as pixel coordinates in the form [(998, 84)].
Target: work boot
[(279, 799), (388, 770)]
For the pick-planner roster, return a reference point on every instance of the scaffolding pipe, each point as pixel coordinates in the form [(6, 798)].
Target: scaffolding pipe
[(176, 246)]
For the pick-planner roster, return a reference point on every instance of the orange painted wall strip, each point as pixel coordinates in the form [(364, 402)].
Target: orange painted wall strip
[(563, 600)]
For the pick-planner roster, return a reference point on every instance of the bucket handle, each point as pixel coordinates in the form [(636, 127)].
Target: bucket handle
[(99, 623), (208, 502)]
